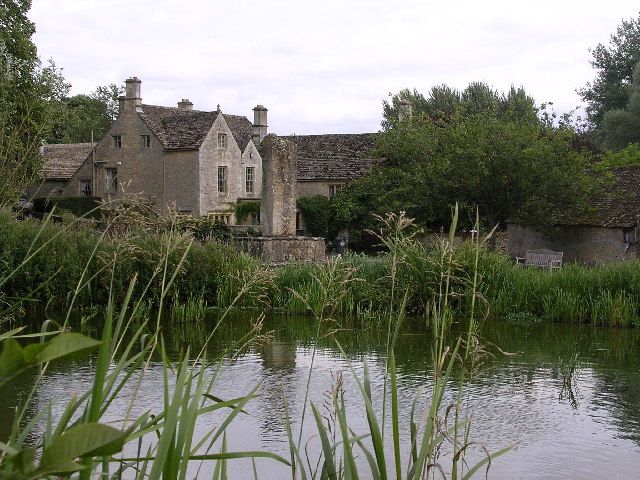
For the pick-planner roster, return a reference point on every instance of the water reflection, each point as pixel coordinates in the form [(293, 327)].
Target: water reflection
[(569, 400)]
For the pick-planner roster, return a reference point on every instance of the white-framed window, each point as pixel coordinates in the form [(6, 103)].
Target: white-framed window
[(85, 188), (112, 179), (222, 140), (145, 141), (333, 189), (250, 175), (222, 179), (117, 141)]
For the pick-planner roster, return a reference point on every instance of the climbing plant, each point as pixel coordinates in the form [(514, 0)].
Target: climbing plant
[(315, 210), (244, 209)]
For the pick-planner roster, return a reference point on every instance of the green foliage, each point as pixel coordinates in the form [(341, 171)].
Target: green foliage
[(23, 96), (78, 206), (620, 127), (60, 254), (315, 210), (614, 65), (244, 209), (477, 98), (81, 115), (629, 155), (509, 170), (205, 228)]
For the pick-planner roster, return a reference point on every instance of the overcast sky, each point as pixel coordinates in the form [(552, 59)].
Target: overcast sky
[(324, 66)]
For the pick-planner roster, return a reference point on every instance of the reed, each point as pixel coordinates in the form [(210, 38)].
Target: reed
[(429, 430), (217, 273)]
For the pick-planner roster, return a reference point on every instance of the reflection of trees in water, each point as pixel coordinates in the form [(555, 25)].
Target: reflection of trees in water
[(611, 357)]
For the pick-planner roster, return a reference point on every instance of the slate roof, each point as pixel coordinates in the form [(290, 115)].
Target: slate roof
[(186, 129), (62, 160), (618, 205), (334, 156)]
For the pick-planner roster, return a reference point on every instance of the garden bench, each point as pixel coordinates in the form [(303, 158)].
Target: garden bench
[(541, 259)]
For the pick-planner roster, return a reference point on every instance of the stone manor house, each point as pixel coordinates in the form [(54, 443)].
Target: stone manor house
[(192, 161)]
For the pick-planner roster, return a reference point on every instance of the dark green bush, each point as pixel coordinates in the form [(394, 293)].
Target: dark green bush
[(315, 211), (244, 209), (78, 206)]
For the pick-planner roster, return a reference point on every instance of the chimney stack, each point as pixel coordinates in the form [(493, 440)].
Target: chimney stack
[(185, 104), (132, 93), (405, 110), (259, 128)]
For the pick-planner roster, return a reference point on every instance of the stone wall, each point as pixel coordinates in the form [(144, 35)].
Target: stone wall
[(582, 244), (312, 188), (85, 172), (181, 182), (278, 250)]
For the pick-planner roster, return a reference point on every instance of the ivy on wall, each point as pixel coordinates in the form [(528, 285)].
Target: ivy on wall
[(315, 210), (244, 209)]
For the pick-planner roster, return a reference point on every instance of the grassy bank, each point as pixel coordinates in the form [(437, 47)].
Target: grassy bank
[(213, 274)]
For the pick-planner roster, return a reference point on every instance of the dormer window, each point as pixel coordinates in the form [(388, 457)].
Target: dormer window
[(222, 141), (145, 141), (117, 141)]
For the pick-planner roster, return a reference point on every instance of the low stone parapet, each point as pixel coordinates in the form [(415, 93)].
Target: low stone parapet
[(278, 250)]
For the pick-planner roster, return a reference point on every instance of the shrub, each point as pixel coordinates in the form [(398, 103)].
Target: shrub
[(79, 206), (244, 209), (315, 211)]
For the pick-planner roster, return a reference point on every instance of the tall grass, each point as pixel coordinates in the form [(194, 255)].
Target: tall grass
[(217, 274), (429, 430)]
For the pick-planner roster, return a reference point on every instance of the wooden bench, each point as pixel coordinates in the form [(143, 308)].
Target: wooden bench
[(541, 259)]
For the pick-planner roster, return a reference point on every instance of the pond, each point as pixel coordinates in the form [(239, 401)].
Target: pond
[(567, 397)]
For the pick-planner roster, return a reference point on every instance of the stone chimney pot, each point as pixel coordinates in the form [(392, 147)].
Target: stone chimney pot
[(185, 104)]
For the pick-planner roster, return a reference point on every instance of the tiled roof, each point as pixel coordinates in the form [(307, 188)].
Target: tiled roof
[(186, 129), (334, 156), (241, 128), (62, 160), (619, 202)]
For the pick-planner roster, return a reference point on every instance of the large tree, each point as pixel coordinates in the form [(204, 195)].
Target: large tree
[(23, 109), (507, 168), (442, 102), (83, 117), (621, 126), (614, 65)]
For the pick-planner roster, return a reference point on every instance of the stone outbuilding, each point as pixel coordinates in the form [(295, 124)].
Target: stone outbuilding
[(327, 162), (608, 233), (60, 162)]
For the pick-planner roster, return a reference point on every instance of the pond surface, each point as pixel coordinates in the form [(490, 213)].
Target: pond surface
[(568, 401)]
